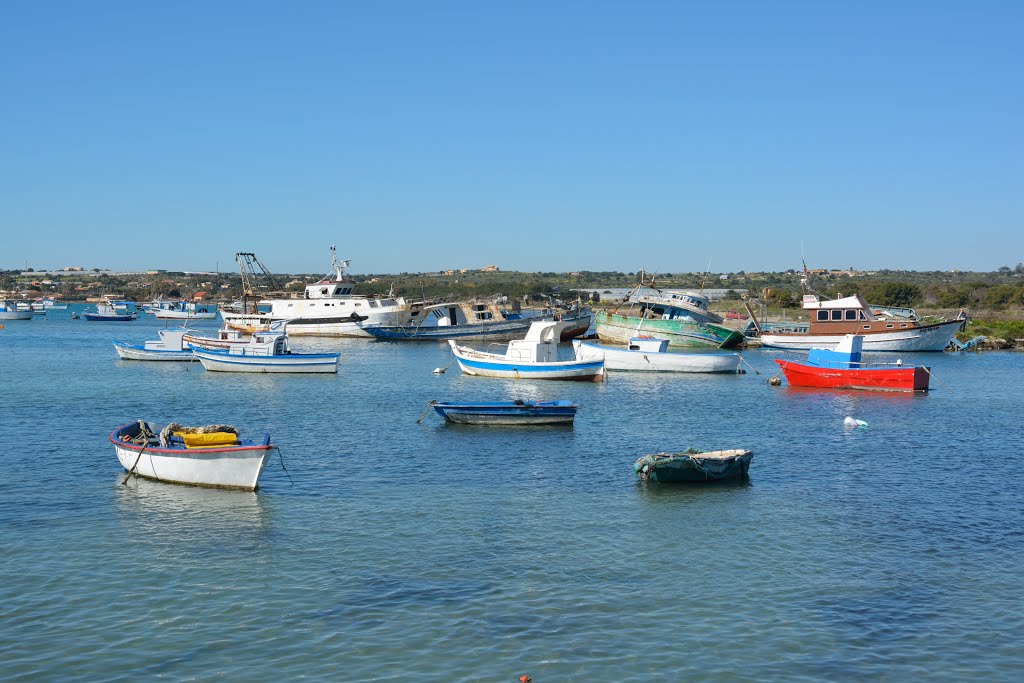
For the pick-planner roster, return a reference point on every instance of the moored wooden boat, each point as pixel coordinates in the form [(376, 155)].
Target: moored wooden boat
[(266, 352), (214, 456), (508, 412), (842, 368), (225, 339), (170, 347), (650, 354), (883, 330), (620, 327), (694, 465), (535, 357)]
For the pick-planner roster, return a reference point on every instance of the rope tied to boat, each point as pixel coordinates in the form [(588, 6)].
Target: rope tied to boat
[(429, 406), (143, 437), (281, 458)]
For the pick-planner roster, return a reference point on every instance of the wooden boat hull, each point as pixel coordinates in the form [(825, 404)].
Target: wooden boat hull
[(136, 352), (346, 326), (925, 338), (646, 361), (225, 361), (908, 379), (581, 322), (485, 331), (615, 327), (237, 467), (508, 413), (212, 343), (693, 467)]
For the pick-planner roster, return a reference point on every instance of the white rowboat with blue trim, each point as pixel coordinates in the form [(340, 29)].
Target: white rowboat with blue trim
[(266, 352), (170, 346)]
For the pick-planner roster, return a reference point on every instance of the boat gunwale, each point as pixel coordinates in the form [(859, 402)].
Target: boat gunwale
[(197, 451)]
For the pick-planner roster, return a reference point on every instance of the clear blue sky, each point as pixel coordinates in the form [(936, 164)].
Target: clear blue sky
[(426, 135)]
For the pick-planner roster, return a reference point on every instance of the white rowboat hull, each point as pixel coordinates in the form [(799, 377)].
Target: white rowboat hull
[(235, 468), (294, 363), (646, 361)]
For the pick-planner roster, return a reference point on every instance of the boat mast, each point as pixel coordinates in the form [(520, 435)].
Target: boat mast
[(248, 264)]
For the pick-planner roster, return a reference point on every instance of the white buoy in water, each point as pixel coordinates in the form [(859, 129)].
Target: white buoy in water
[(438, 371), (851, 422)]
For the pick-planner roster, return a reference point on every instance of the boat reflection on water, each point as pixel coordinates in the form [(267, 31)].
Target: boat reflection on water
[(156, 508)]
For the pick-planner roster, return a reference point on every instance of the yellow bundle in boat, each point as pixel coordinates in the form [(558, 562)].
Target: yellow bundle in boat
[(211, 440)]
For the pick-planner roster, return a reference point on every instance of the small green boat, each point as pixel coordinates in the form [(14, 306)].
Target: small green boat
[(693, 465)]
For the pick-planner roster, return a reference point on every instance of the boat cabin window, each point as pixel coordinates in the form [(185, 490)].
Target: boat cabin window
[(867, 327), (822, 315), (902, 325), (861, 315), (851, 314), (484, 315), (889, 326), (339, 290), (837, 315)]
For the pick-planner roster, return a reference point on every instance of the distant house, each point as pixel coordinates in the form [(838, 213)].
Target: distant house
[(489, 269)]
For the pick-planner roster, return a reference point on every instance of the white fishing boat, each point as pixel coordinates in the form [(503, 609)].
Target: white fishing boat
[(328, 308), (9, 310), (650, 354), (110, 313), (213, 456), (51, 304), (266, 352), (535, 357), (170, 347), (167, 309), (832, 320)]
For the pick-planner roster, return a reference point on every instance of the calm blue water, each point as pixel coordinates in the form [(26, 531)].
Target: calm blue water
[(399, 551)]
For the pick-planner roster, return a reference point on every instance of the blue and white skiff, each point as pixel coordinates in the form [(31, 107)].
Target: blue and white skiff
[(508, 412), (266, 352)]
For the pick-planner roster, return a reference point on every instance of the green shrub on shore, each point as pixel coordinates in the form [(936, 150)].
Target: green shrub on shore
[(993, 329)]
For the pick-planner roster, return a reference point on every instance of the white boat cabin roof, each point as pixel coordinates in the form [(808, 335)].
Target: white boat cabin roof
[(546, 331), (812, 302)]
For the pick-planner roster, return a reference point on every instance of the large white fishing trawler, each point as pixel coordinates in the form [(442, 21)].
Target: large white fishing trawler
[(328, 308)]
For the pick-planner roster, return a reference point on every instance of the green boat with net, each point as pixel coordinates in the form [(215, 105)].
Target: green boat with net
[(694, 465)]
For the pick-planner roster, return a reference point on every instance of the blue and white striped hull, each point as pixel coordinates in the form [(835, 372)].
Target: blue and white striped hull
[(222, 361), (137, 352), (492, 365)]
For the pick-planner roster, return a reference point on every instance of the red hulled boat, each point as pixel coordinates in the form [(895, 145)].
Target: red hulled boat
[(841, 368)]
